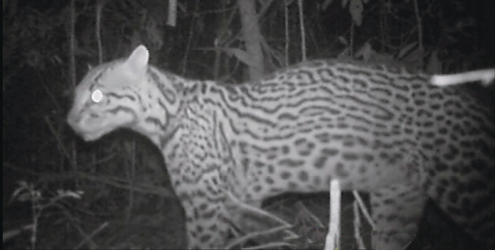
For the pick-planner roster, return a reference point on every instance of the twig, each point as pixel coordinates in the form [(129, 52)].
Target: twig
[(486, 76)]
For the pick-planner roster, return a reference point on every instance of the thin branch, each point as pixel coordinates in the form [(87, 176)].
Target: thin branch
[(303, 31)]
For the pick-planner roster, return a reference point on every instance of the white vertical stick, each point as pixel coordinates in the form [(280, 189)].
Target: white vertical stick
[(332, 241)]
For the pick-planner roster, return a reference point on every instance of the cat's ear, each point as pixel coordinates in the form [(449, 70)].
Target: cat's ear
[(138, 60)]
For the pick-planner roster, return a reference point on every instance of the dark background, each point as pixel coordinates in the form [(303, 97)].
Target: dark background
[(127, 201)]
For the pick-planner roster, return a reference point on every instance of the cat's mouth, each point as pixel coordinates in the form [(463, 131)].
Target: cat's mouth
[(89, 135), (91, 130), (93, 136)]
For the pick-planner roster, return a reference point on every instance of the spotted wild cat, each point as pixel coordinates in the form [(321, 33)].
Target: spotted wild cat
[(377, 129)]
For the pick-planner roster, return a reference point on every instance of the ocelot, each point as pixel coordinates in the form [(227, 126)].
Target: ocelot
[(377, 129)]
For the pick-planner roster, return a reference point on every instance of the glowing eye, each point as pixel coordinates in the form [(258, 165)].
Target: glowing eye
[(96, 96)]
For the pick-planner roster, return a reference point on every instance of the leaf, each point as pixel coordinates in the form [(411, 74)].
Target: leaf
[(356, 8), (22, 187), (241, 55), (434, 65), (406, 49), (69, 193), (324, 6)]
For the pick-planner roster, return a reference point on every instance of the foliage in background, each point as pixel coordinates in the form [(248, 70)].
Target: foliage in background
[(124, 179)]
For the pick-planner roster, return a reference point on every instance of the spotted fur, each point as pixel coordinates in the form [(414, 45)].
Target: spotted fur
[(376, 129)]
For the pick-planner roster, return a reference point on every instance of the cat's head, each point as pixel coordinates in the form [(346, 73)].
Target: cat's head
[(109, 96)]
